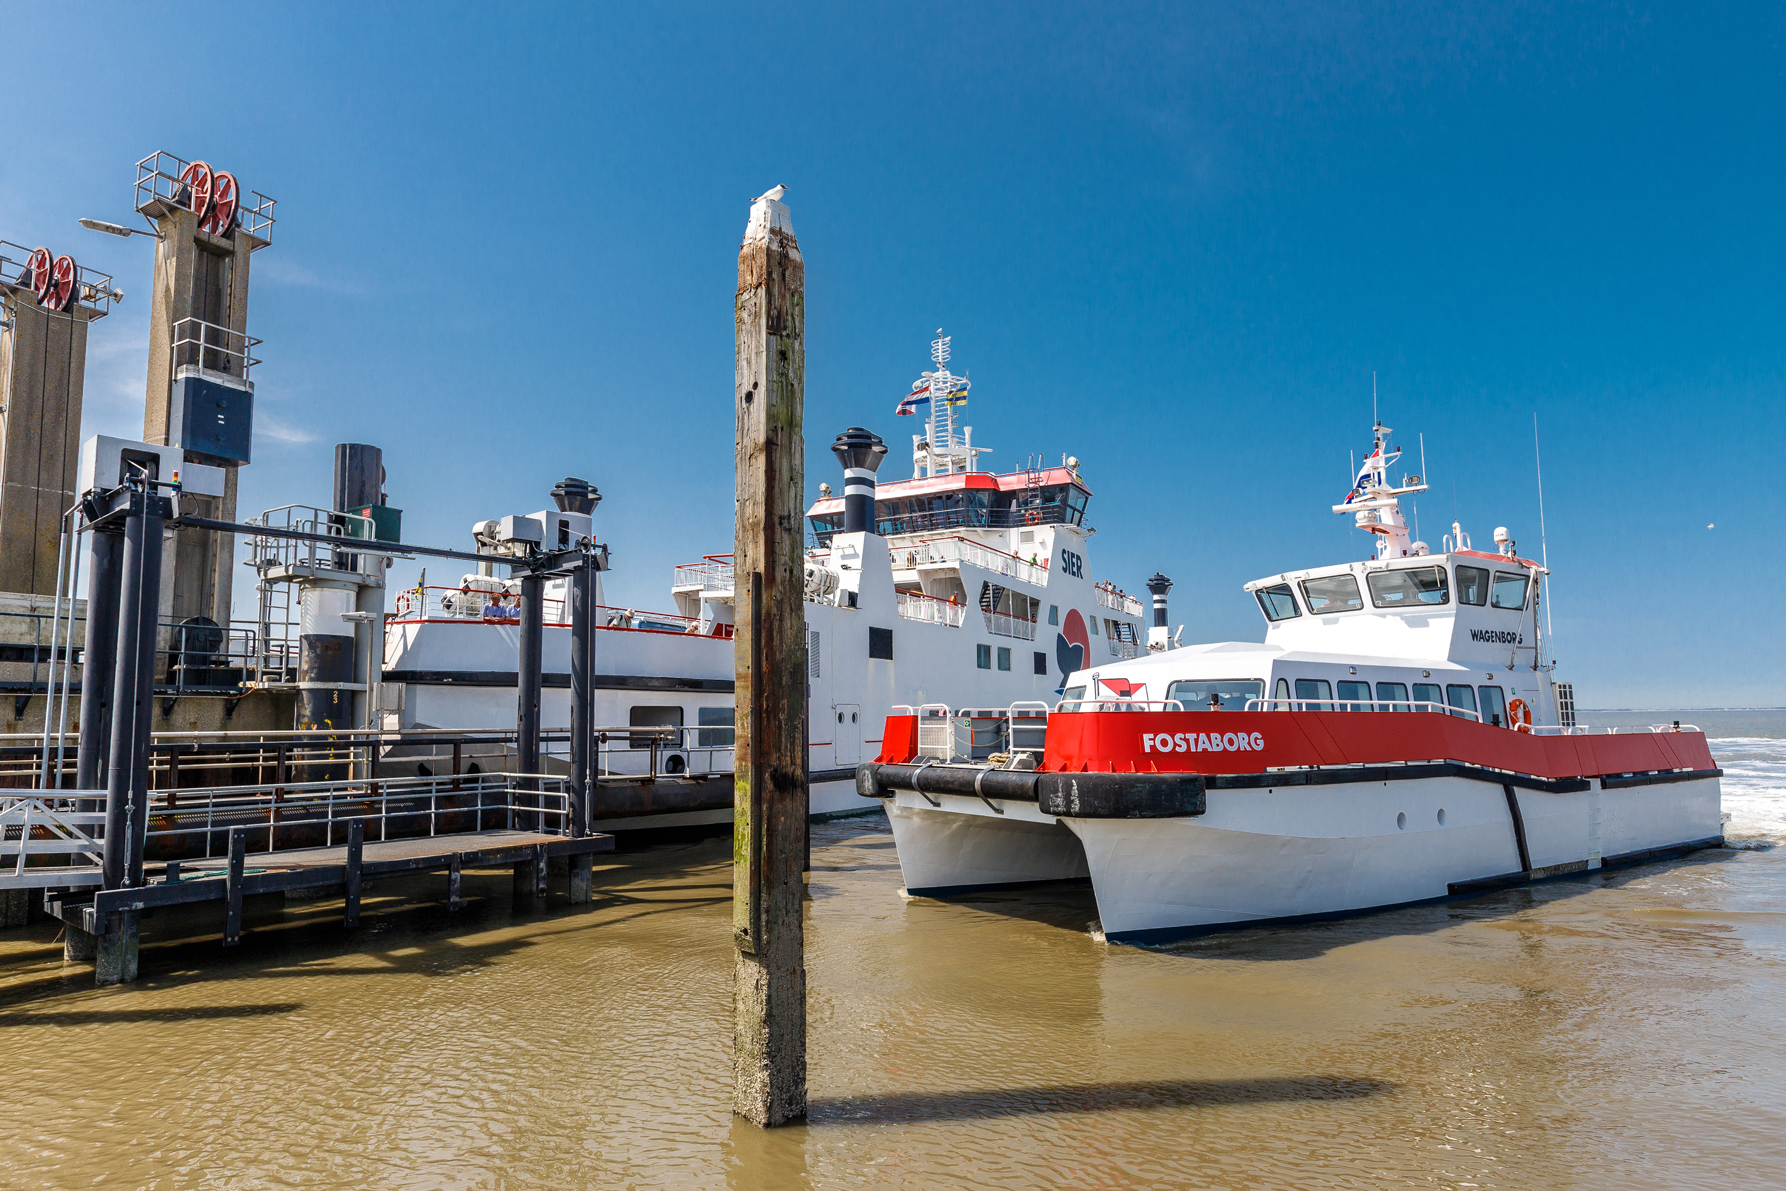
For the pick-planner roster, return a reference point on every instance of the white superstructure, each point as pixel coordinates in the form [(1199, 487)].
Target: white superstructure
[(972, 589)]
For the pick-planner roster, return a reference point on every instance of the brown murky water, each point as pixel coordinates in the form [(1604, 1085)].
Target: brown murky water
[(1623, 1031)]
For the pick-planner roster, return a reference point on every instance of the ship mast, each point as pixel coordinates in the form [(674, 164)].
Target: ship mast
[(1374, 500), (943, 451)]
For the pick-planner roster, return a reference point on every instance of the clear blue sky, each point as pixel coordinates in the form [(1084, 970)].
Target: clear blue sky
[(1174, 240)]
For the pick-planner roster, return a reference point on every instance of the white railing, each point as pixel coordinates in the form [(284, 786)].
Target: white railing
[(487, 601), (45, 823), (1629, 729), (957, 550), (1116, 601), (915, 605), (1067, 707), (710, 574), (1124, 649), (213, 348), (1463, 713), (1005, 624)]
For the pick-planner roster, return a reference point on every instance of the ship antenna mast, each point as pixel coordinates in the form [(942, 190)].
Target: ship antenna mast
[(1543, 542)]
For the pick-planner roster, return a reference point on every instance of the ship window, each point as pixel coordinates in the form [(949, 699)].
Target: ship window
[(1510, 590), (1282, 700), (1070, 699), (1315, 689), (1041, 662), (1494, 706), (1461, 696), (1405, 587), (1277, 603), (1331, 593), (717, 727), (1428, 692), (1004, 657), (1215, 694), (880, 644), (1355, 696), (1054, 614), (655, 717), (983, 656), (1392, 696), (1092, 620), (1472, 586)]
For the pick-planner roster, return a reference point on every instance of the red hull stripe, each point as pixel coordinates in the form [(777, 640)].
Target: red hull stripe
[(1254, 741), (1214, 742)]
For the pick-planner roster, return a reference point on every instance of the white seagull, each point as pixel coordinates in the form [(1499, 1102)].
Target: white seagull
[(773, 194)]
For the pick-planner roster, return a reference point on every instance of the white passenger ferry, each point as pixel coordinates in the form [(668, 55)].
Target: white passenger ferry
[(1241, 782), (969, 588)]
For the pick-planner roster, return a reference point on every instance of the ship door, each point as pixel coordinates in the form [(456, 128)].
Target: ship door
[(847, 743)]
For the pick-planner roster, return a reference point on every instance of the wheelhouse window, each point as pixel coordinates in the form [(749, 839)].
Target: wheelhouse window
[(1510, 590), (1314, 694), (1070, 698), (1392, 696), (716, 727), (1407, 587), (1331, 593), (1215, 694), (1355, 696), (1461, 696), (1494, 705), (1428, 692), (1472, 586), (1277, 602), (1281, 696)]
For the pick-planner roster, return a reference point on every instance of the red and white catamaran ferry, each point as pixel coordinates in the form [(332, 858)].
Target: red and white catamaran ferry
[(957, 587), (1237, 783)]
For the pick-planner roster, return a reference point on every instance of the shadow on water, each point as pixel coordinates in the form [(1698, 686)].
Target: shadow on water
[(99, 1017), (1132, 1096)]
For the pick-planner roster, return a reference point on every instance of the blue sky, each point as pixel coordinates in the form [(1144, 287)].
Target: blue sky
[(1174, 240)]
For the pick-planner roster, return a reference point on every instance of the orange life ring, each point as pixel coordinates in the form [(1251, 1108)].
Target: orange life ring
[(1519, 716)]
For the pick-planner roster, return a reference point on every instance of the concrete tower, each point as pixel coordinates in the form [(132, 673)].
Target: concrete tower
[(46, 304), (200, 393)]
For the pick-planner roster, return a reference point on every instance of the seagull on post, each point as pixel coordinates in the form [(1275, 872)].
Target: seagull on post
[(773, 194)]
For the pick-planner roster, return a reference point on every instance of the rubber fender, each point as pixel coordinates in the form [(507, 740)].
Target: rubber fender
[(875, 780), (1121, 795)]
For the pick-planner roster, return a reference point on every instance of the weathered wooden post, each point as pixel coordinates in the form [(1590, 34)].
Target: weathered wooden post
[(769, 796)]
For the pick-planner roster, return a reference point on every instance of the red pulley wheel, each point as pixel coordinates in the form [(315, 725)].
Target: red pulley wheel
[(223, 204), (197, 180), (62, 278), (36, 273)]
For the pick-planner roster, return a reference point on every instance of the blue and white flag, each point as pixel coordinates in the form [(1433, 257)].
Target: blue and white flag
[(1373, 464), (920, 395)]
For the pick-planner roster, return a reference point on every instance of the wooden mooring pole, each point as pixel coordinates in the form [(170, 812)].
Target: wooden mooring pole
[(769, 795)]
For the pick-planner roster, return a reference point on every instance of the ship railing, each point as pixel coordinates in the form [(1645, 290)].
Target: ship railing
[(957, 550), (478, 604), (979, 733), (713, 573), (1463, 713), (1068, 706), (1117, 601), (1611, 730), (915, 605), (1124, 649), (1009, 624)]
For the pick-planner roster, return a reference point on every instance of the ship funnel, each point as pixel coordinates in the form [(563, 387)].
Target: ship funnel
[(860, 451), (572, 495), (1159, 585)]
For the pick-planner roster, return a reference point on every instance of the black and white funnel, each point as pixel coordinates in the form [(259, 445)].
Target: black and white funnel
[(860, 451)]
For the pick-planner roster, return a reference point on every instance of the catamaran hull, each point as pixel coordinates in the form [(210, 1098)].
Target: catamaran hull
[(1296, 853)]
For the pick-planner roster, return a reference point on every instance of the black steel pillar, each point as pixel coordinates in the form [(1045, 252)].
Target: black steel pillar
[(582, 585), (133, 691), (527, 713), (99, 655)]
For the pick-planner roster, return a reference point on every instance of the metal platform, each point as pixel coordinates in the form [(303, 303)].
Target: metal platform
[(346, 867)]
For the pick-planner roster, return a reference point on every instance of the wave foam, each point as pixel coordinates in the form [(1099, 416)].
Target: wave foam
[(1754, 788)]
